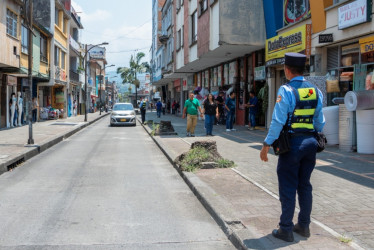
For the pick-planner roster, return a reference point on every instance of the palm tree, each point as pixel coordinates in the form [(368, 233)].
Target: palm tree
[(129, 74)]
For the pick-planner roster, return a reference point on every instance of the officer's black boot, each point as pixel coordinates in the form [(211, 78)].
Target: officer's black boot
[(283, 235), (303, 231)]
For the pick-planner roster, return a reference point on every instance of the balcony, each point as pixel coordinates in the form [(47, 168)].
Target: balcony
[(163, 39), (74, 76)]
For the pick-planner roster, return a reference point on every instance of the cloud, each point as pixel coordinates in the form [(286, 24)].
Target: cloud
[(123, 38), (96, 16)]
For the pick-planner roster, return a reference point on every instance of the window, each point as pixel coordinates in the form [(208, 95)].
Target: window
[(11, 23), (24, 39), (56, 16), (57, 56), (43, 48), (179, 4), (63, 55), (203, 6), (179, 39), (64, 25), (182, 35), (194, 27)]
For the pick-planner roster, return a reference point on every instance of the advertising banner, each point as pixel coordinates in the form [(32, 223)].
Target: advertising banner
[(296, 40), (367, 45), (353, 13), (295, 10), (97, 53), (260, 73)]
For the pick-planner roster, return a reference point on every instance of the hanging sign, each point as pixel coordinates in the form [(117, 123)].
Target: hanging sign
[(11, 80), (260, 73), (353, 13)]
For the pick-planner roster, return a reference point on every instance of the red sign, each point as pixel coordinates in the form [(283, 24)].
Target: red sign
[(177, 83)]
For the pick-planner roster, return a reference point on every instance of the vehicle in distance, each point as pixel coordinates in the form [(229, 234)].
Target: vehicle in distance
[(122, 114)]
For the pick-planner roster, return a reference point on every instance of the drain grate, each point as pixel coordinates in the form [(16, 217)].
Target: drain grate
[(64, 124), (15, 164)]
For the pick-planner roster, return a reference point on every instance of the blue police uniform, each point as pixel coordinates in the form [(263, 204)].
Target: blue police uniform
[(295, 167)]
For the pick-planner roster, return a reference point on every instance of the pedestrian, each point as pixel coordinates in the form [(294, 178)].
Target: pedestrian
[(177, 106), (158, 108), (168, 106), (143, 109), (252, 104), (230, 108), (35, 106), (173, 107), (221, 108), (210, 111), (298, 110), (191, 108), (75, 108), (163, 107)]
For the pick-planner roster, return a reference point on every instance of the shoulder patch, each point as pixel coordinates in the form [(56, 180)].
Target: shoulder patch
[(279, 99)]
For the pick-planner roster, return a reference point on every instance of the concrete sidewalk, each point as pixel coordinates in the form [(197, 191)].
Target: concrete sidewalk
[(245, 199), (13, 142)]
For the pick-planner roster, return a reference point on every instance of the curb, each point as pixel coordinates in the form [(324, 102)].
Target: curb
[(217, 216), (37, 149)]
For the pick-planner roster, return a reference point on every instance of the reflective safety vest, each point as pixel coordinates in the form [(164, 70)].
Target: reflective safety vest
[(301, 121), (144, 104)]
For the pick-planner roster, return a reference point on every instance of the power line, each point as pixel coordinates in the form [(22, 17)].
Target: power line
[(125, 51), (132, 30), (124, 37)]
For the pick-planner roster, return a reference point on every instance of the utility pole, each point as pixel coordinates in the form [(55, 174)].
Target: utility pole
[(30, 16), (85, 82)]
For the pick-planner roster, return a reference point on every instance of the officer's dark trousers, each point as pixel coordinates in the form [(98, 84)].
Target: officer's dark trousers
[(294, 170), (142, 111)]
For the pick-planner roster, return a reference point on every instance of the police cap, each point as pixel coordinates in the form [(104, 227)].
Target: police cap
[(295, 59)]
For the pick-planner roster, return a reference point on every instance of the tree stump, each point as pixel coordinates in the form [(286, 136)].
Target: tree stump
[(210, 146)]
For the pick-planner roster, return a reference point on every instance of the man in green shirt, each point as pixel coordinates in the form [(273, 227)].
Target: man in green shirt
[(191, 108)]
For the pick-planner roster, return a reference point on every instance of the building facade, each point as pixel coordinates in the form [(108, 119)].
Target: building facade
[(216, 47)]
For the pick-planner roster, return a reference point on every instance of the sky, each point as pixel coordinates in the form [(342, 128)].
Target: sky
[(125, 24)]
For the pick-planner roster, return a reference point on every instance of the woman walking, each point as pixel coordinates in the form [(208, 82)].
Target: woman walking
[(210, 110)]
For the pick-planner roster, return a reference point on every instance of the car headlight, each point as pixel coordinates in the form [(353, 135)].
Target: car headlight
[(132, 113), (114, 113)]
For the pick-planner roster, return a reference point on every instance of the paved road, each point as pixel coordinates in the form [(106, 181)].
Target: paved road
[(103, 188)]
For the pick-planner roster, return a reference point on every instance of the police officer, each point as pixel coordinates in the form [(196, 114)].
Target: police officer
[(143, 108), (299, 106)]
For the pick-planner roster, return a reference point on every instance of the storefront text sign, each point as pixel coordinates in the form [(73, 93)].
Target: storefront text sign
[(11, 80), (295, 40), (260, 73), (326, 38), (367, 45), (353, 13)]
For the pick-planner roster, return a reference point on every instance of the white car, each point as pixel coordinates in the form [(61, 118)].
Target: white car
[(123, 114)]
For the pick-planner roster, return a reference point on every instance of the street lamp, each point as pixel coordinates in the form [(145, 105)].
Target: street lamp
[(112, 93), (85, 74), (101, 81)]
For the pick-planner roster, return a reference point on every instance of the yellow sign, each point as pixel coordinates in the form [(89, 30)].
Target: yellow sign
[(295, 40), (367, 44)]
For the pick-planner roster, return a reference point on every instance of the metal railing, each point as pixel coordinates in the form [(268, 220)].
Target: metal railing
[(74, 76)]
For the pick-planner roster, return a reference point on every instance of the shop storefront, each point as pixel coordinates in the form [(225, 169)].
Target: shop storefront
[(294, 40)]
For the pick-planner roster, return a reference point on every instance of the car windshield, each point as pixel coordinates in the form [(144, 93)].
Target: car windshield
[(122, 107)]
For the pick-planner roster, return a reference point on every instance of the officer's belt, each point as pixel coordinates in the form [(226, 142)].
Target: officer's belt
[(302, 134)]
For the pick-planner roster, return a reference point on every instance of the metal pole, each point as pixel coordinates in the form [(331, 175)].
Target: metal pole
[(101, 81), (31, 139), (85, 82)]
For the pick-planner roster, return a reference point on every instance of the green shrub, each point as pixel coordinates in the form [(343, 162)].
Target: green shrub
[(194, 158), (223, 163)]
